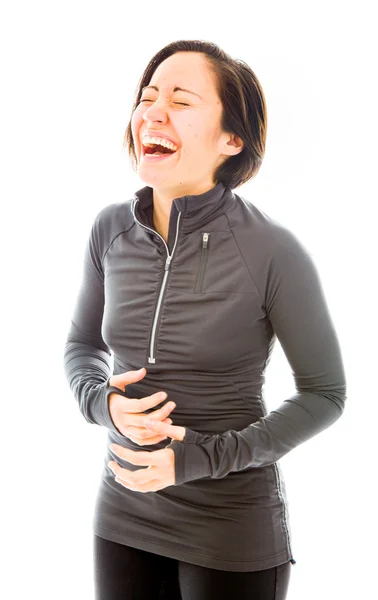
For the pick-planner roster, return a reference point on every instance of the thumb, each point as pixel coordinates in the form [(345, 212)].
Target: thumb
[(123, 379)]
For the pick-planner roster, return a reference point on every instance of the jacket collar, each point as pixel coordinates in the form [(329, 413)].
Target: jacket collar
[(196, 210)]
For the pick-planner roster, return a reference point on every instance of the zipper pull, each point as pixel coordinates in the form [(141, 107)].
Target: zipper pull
[(167, 263), (205, 238)]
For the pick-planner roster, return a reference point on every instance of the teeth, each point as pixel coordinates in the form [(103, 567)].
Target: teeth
[(151, 141)]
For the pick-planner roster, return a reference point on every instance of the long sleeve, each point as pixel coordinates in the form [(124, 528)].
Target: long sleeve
[(87, 359), (294, 302)]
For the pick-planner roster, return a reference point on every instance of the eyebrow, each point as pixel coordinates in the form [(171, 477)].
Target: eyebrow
[(176, 89)]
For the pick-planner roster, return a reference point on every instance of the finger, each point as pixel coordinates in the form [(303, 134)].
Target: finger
[(159, 414), (140, 433), (155, 439), (151, 401), (172, 431), (151, 486), (135, 457), (132, 420), (137, 478), (123, 379), (136, 405)]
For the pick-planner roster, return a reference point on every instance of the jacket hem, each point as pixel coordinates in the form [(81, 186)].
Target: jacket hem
[(182, 554)]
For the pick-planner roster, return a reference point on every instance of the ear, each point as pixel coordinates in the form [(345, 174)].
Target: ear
[(234, 145)]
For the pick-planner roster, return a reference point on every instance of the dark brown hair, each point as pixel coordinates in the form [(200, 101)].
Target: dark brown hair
[(244, 108)]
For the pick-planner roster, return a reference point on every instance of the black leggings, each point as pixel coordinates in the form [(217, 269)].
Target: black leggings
[(124, 573)]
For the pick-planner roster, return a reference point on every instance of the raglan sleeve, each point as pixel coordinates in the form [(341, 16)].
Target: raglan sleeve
[(86, 357), (293, 298)]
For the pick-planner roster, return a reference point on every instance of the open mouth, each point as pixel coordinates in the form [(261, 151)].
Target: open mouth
[(156, 150)]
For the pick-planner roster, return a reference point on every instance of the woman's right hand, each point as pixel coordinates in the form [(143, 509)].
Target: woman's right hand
[(128, 413)]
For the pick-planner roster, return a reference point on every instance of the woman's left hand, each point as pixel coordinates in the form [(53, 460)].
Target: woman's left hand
[(161, 463)]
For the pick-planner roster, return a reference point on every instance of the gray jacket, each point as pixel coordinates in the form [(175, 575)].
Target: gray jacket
[(201, 314)]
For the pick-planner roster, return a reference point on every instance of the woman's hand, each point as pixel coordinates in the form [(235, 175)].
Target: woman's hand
[(161, 463), (127, 413)]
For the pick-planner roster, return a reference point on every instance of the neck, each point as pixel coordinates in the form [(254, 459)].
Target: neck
[(196, 210), (161, 223), (162, 204)]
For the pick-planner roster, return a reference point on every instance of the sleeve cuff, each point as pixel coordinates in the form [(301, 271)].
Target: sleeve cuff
[(191, 461), (105, 416)]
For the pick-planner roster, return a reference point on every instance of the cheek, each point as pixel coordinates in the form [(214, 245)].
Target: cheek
[(134, 126), (136, 122)]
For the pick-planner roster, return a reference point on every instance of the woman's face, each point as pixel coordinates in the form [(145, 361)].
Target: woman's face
[(192, 120)]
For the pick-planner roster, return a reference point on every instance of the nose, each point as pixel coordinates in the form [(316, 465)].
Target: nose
[(155, 112)]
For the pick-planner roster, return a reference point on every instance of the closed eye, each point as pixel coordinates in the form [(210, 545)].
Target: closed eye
[(146, 100)]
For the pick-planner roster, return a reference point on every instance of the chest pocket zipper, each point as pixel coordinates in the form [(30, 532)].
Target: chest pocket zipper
[(203, 263)]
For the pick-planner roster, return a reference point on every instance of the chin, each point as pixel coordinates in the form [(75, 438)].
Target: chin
[(148, 178)]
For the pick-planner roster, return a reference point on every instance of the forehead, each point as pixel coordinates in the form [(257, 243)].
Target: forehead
[(184, 69)]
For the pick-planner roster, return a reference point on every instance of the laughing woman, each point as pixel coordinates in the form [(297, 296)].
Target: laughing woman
[(187, 285)]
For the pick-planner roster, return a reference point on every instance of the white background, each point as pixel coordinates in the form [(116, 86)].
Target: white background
[(69, 71)]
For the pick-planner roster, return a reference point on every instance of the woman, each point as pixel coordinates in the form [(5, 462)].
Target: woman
[(193, 283)]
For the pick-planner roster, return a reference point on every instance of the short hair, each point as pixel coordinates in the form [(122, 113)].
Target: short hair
[(243, 108)]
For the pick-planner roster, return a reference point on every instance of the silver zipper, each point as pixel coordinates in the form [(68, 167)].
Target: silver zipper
[(202, 268), (151, 358)]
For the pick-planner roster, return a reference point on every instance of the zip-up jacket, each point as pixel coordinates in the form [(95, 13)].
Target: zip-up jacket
[(202, 313)]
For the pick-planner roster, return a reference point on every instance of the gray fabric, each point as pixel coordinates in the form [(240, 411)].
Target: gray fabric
[(222, 309)]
